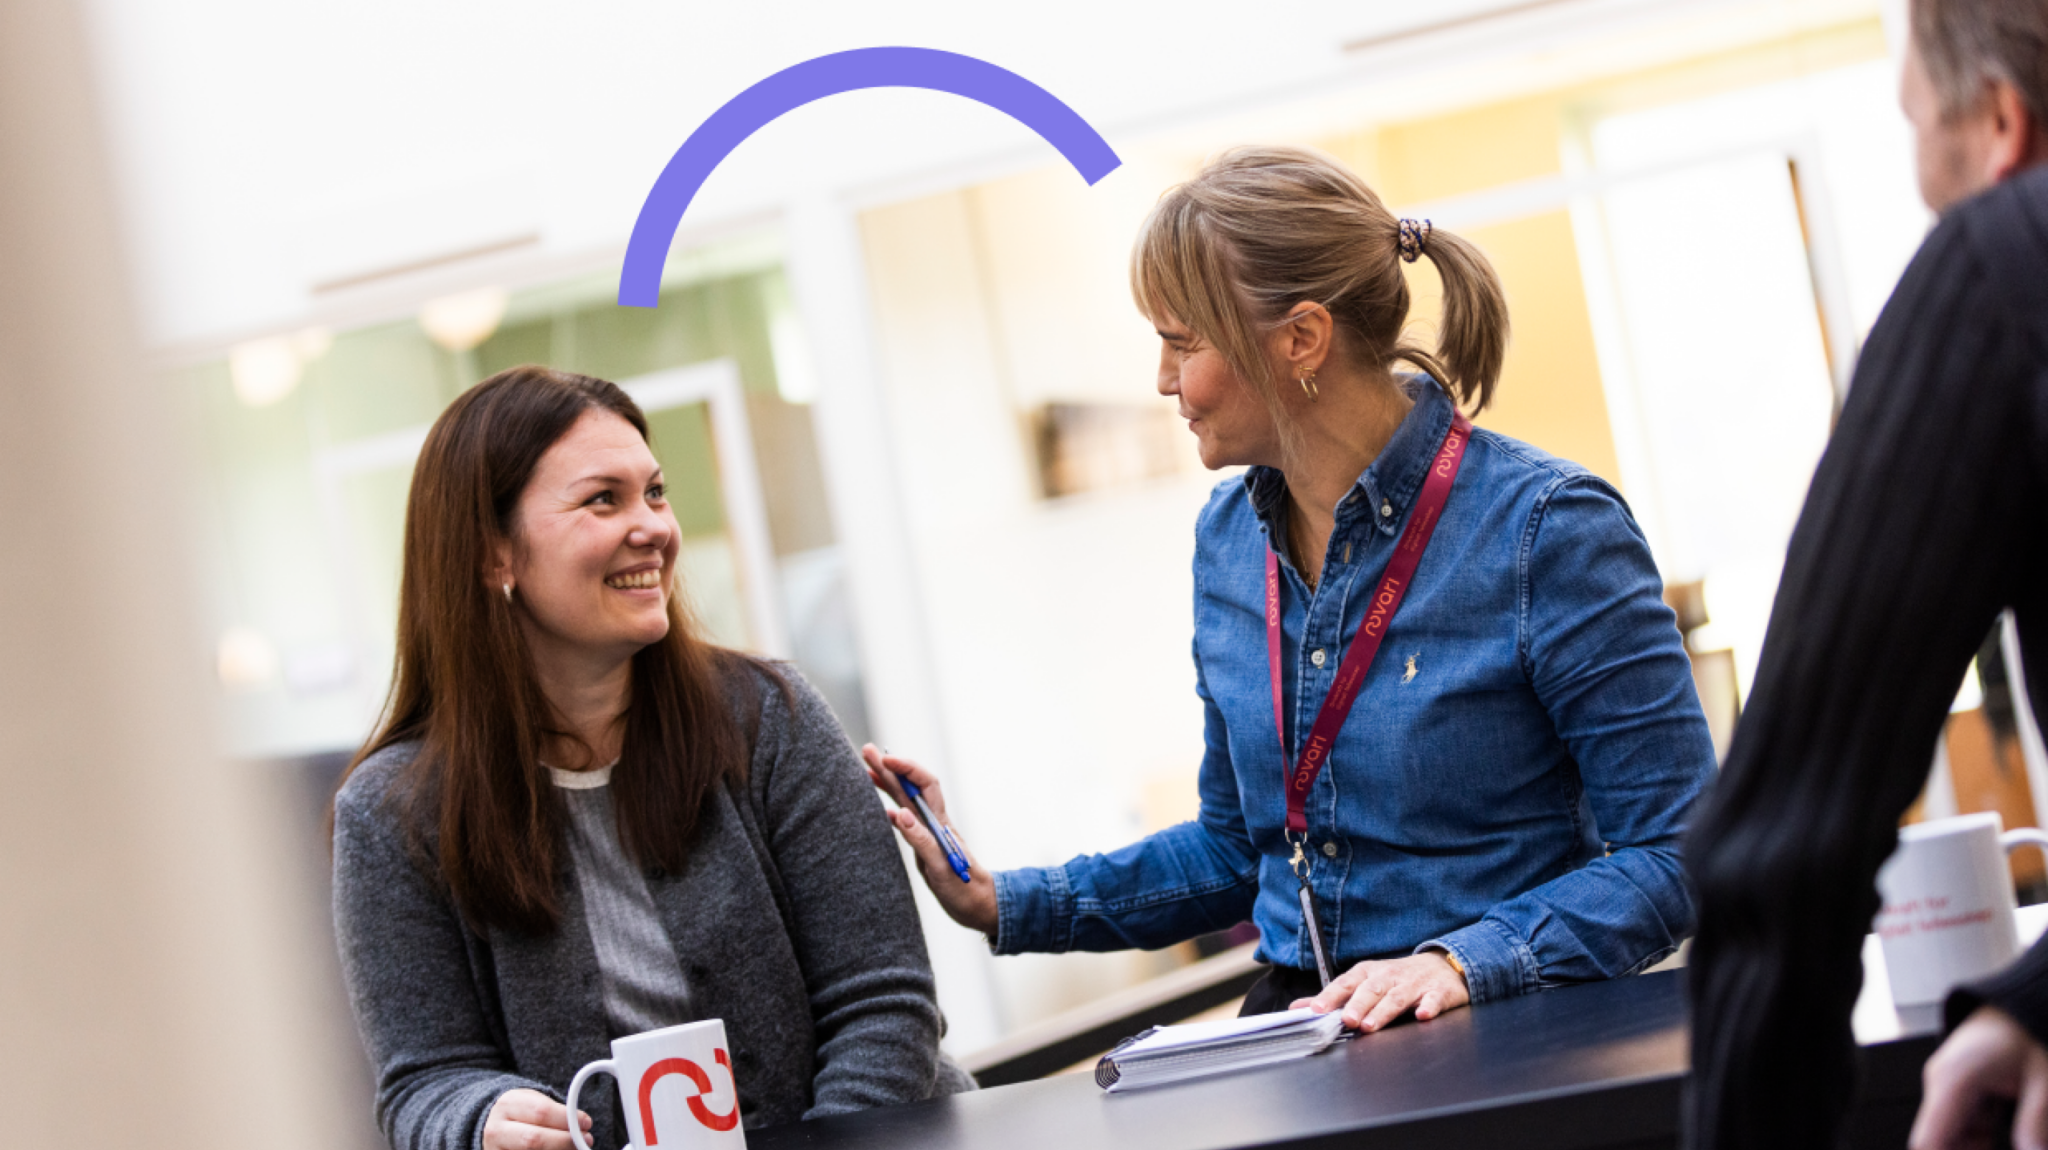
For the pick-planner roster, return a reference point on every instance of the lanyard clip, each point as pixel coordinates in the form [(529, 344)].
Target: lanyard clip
[(1300, 862)]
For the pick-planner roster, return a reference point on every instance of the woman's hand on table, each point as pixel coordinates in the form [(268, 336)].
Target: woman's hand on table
[(1988, 1072), (1373, 994), (972, 904), (530, 1120)]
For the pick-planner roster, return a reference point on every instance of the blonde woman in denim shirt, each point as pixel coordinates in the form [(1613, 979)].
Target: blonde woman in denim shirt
[(1502, 805)]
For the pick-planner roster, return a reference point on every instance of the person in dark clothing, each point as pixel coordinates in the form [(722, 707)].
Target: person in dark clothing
[(1927, 516)]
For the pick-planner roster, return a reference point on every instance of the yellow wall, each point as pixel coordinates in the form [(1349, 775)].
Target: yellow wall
[(1550, 392), (1469, 151)]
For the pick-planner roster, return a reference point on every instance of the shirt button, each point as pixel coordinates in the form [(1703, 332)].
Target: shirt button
[(1316, 656), (1329, 850), (1386, 509)]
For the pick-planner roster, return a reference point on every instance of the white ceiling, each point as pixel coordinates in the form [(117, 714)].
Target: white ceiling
[(266, 146)]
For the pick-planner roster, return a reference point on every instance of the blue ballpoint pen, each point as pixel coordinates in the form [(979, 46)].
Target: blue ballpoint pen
[(940, 831)]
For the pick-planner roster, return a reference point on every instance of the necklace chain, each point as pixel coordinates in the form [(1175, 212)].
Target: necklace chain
[(1294, 532)]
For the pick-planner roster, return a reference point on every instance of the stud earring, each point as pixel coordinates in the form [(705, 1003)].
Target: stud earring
[(1308, 386), (508, 592)]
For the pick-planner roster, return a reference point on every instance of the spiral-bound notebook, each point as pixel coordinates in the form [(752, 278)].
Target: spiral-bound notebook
[(1171, 1053)]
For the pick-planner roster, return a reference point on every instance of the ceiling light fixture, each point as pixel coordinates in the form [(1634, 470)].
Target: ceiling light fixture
[(244, 659), (264, 370), (460, 322)]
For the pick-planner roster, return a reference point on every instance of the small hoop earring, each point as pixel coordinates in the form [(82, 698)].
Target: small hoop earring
[(1308, 386), (508, 592)]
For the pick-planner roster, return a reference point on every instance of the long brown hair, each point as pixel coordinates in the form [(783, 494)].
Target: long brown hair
[(1259, 230), (478, 806)]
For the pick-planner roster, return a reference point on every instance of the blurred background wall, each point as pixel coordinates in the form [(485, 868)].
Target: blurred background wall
[(895, 376)]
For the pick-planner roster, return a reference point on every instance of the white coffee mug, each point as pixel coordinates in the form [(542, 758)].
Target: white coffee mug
[(1947, 916), (676, 1087)]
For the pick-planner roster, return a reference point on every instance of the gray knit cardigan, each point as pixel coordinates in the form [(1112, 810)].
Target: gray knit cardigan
[(792, 917)]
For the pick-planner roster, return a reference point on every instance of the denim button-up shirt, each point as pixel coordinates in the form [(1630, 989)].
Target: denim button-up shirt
[(1512, 782)]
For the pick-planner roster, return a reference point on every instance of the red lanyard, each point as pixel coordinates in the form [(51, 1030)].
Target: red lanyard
[(1386, 599)]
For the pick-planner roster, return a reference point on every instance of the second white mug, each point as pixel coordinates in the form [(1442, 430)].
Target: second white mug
[(1948, 906)]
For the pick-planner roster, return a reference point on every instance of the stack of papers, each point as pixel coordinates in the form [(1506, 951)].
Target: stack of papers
[(1171, 1053)]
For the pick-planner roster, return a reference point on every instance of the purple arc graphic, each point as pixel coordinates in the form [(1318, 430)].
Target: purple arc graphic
[(815, 79)]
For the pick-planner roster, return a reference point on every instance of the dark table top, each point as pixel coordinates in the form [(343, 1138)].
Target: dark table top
[(1596, 1065)]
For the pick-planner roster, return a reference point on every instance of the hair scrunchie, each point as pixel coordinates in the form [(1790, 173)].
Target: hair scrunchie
[(1414, 239)]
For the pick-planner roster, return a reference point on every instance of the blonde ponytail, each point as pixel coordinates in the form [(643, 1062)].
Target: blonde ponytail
[(1472, 338)]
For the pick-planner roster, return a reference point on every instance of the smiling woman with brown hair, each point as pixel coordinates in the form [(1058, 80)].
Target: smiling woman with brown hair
[(579, 821)]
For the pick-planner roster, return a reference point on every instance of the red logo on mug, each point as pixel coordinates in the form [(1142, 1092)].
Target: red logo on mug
[(701, 1080)]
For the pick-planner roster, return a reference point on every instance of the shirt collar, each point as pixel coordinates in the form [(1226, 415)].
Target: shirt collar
[(1383, 494), (588, 780)]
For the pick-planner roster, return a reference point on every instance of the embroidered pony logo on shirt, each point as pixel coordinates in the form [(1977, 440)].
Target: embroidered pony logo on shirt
[(1409, 675)]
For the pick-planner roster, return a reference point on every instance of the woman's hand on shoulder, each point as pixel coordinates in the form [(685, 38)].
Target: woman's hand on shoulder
[(972, 904), (1373, 994), (530, 1120)]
